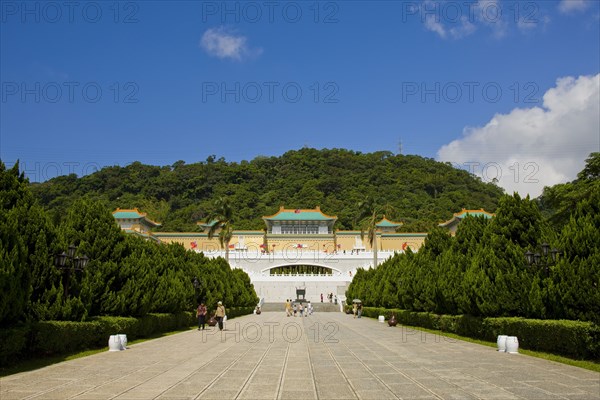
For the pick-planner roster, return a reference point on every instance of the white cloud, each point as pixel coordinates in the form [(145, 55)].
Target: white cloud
[(222, 43), (530, 148), (492, 14), (433, 24), (464, 29), (458, 29), (527, 23), (458, 19), (571, 6)]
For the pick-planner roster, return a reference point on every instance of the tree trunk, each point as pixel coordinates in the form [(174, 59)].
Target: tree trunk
[(375, 250)]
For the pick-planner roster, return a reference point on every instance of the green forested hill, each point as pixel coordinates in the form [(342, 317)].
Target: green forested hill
[(422, 192)]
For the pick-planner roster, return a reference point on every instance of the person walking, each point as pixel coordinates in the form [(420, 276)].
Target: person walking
[(321, 297), (288, 308), (359, 309), (220, 314), (201, 314), (354, 309)]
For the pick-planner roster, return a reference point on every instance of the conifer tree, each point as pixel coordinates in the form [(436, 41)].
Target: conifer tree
[(23, 244)]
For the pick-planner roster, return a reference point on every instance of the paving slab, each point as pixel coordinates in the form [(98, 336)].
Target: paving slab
[(324, 356)]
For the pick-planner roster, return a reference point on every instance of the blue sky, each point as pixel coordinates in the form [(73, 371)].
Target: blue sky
[(506, 89)]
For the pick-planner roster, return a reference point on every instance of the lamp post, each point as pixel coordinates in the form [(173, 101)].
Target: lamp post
[(544, 259), (73, 264)]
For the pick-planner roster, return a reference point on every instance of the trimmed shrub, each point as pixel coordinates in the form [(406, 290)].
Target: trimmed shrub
[(575, 339), (233, 312), (470, 326), (56, 337), (13, 342)]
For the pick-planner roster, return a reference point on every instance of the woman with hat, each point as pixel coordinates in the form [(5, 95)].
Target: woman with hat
[(220, 314)]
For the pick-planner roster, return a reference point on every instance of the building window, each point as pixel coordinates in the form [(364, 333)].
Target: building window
[(288, 229)]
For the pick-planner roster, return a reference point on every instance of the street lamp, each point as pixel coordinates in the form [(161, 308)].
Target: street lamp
[(544, 259), (73, 264)]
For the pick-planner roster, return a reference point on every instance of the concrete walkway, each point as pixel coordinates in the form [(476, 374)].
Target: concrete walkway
[(324, 356)]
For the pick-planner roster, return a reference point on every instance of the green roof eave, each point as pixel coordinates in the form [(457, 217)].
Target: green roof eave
[(127, 215), (301, 216), (386, 224), (134, 215), (207, 225), (475, 214)]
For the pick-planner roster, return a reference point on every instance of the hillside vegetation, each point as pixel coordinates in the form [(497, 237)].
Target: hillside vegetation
[(421, 191)]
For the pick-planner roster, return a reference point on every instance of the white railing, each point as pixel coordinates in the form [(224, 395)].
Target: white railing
[(306, 274), (300, 278), (298, 254)]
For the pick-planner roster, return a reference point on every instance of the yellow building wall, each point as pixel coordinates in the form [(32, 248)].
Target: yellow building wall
[(344, 241), (400, 242), (347, 240), (386, 241), (309, 243)]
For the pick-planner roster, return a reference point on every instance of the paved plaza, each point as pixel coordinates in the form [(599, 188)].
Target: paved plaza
[(323, 356)]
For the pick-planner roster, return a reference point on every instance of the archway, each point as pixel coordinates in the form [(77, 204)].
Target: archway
[(301, 269)]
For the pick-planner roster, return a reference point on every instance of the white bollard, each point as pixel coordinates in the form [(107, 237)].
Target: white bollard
[(381, 319), (114, 343), (512, 345), (501, 342)]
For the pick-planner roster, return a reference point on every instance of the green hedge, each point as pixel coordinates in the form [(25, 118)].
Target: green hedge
[(13, 342), (233, 312), (59, 337), (575, 339)]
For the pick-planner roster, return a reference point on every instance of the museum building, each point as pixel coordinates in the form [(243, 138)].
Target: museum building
[(299, 248)]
